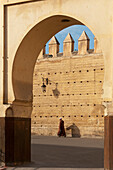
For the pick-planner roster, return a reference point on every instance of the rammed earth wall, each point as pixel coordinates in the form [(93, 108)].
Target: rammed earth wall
[(73, 92)]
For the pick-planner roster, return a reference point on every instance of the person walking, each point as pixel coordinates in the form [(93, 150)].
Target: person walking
[(61, 130)]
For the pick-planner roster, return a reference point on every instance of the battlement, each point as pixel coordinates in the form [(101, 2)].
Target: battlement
[(68, 47)]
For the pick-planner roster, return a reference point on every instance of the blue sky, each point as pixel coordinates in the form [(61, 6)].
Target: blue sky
[(75, 31)]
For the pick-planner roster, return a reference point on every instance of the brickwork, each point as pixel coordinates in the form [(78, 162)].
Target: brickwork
[(73, 92)]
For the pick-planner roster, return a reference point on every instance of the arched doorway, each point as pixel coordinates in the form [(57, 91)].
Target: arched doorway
[(76, 99), (25, 59), (22, 72)]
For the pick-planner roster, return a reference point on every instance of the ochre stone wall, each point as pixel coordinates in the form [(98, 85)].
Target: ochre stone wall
[(73, 92)]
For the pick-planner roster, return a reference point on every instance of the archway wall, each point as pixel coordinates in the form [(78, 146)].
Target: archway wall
[(30, 24), (25, 26)]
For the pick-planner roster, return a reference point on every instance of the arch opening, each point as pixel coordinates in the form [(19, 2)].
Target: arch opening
[(29, 50), (26, 57), (74, 88), (70, 92)]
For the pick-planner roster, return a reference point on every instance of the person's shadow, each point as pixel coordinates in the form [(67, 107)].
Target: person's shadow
[(74, 131)]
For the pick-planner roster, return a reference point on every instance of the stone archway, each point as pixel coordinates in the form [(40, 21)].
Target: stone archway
[(28, 26), (23, 89), (29, 48)]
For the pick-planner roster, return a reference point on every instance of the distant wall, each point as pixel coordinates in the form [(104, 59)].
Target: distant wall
[(73, 92)]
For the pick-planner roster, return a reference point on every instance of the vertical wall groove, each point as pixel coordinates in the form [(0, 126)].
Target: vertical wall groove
[(5, 61)]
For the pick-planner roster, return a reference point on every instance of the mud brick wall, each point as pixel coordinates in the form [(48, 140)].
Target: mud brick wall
[(73, 92)]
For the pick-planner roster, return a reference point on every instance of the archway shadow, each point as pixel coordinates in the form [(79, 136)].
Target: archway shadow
[(75, 131), (54, 156), (67, 156)]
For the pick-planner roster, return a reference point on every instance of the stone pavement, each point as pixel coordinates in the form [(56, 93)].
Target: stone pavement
[(53, 153)]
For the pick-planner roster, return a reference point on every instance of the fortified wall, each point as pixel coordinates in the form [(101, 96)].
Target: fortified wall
[(73, 81)]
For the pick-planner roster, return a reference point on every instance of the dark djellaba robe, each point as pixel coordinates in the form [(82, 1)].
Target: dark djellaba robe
[(61, 131)]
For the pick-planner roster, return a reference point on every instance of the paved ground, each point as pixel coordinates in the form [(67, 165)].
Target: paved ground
[(52, 153)]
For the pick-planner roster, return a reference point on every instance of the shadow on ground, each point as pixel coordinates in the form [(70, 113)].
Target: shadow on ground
[(48, 156)]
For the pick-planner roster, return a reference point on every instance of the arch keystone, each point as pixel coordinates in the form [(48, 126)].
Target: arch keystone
[(83, 43), (68, 45), (54, 46)]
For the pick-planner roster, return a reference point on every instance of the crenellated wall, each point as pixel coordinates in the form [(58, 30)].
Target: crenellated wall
[(74, 90)]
